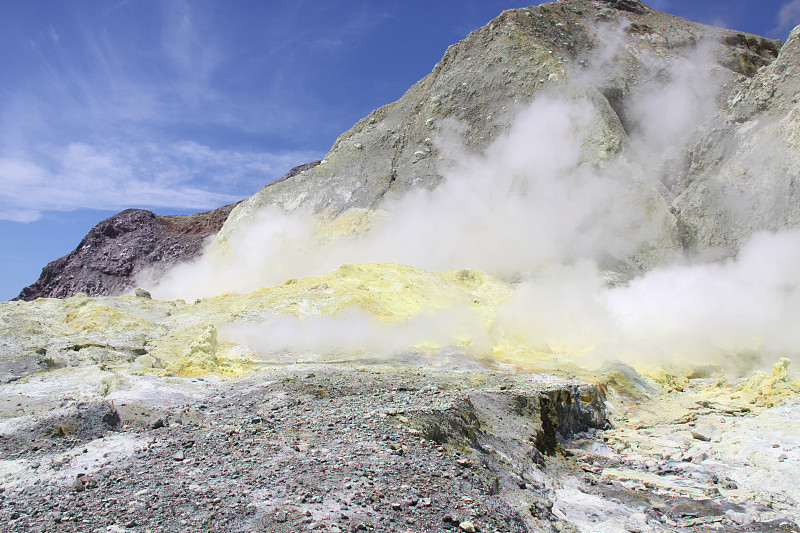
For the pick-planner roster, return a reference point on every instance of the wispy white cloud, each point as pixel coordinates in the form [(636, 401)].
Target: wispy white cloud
[(172, 105), (183, 175), (104, 73), (122, 108), (192, 49), (54, 35), (182, 65), (788, 17)]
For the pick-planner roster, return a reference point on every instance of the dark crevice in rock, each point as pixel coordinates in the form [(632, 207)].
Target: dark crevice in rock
[(615, 97), (631, 6)]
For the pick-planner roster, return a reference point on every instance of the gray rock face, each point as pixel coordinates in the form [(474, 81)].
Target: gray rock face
[(120, 247), (483, 81)]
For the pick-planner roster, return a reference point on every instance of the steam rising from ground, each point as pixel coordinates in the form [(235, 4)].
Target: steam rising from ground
[(534, 209), (530, 201), (353, 331), (737, 312)]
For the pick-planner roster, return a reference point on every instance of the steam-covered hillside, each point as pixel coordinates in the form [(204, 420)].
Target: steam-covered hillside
[(553, 288), (634, 86)]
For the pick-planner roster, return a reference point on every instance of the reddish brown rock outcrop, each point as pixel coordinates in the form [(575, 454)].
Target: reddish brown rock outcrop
[(107, 260), (119, 247)]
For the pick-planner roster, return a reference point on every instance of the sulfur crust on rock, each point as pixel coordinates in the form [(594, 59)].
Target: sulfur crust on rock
[(204, 356), (159, 337), (350, 223), (102, 319), (768, 390), (183, 337)]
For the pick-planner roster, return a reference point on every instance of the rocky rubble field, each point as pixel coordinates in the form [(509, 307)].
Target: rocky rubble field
[(389, 447)]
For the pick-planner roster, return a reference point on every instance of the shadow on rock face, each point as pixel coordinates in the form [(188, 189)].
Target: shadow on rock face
[(80, 422), (632, 6)]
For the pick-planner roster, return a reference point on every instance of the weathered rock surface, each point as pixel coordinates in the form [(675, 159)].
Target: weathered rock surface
[(121, 247), (485, 80), (376, 447)]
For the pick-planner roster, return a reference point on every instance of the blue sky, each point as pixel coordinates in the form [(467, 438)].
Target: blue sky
[(182, 106)]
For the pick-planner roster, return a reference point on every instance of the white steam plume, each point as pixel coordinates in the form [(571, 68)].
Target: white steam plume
[(529, 201), (532, 207), (355, 331), (720, 313)]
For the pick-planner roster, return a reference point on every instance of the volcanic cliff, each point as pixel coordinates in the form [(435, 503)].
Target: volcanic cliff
[(481, 84)]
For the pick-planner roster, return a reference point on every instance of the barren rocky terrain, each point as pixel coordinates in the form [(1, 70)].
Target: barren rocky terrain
[(393, 447), (515, 300)]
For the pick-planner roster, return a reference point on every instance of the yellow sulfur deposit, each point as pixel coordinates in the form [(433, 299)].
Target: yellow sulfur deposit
[(98, 318), (351, 223), (387, 291), (395, 303), (203, 356), (760, 389), (770, 389), (416, 308), (358, 311)]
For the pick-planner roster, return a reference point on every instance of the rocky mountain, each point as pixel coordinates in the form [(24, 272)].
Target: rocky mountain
[(484, 81), (694, 194), (127, 244)]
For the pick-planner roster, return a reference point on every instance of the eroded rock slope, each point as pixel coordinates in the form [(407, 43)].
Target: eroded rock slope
[(117, 249), (606, 53)]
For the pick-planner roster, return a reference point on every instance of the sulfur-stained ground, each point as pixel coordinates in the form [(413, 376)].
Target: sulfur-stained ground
[(254, 412)]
